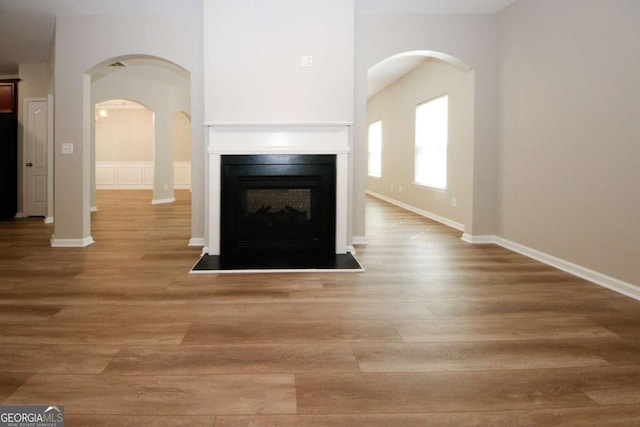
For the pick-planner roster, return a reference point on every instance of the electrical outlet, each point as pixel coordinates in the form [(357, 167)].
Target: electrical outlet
[(166, 186), (454, 202)]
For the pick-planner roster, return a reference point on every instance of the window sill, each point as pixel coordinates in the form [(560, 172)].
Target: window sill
[(430, 188)]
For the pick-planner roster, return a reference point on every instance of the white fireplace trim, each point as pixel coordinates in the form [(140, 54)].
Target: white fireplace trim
[(278, 138)]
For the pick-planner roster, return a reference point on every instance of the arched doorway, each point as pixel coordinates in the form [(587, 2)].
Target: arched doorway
[(397, 85), (164, 88), (166, 42)]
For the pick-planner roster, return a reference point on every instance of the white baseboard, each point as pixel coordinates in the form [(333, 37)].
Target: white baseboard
[(196, 241), (47, 219), (600, 279), (360, 240), (577, 270), (438, 218), (478, 240), (71, 243), (93, 209), (163, 201)]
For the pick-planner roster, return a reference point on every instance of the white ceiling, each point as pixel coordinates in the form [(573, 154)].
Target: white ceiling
[(384, 73)]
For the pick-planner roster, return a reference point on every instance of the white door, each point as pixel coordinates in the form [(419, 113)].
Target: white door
[(35, 157)]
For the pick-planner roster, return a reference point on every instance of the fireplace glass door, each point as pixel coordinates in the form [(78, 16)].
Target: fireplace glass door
[(276, 211), (278, 203)]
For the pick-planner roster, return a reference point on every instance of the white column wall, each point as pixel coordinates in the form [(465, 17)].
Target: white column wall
[(80, 44)]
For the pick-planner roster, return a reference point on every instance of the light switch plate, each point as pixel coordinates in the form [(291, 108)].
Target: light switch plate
[(67, 148)]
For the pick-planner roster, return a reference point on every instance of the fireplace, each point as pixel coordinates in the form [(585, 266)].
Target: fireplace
[(280, 173), (277, 203)]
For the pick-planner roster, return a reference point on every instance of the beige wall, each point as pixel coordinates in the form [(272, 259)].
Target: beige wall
[(253, 51), (181, 138), (34, 80), (569, 131), (395, 106), (125, 135)]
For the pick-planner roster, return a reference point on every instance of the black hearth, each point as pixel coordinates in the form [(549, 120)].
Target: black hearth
[(278, 204)]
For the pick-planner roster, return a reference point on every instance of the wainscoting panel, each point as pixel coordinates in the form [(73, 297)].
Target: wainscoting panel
[(147, 175), (105, 176), (129, 175), (182, 175), (137, 175)]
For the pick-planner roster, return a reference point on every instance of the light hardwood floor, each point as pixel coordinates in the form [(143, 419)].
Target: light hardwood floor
[(436, 332)]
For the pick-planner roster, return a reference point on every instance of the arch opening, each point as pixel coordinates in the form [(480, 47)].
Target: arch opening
[(396, 86), (165, 89)]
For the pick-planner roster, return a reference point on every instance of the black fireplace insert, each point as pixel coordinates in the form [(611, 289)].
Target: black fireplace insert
[(278, 204)]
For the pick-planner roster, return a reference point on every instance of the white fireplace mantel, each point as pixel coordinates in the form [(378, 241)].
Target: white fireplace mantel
[(277, 138)]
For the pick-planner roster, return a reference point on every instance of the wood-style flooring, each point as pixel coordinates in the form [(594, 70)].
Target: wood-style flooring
[(436, 332)]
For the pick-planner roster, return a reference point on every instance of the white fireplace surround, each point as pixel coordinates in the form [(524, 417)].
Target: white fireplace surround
[(277, 138)]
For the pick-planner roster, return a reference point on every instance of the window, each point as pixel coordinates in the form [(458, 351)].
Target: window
[(431, 142), (375, 149)]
